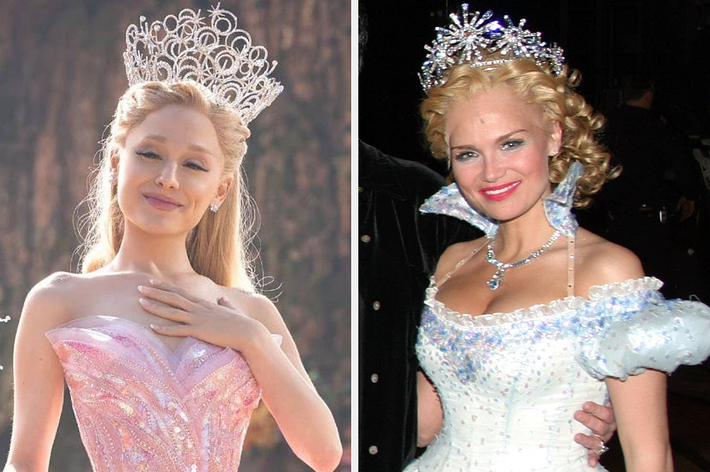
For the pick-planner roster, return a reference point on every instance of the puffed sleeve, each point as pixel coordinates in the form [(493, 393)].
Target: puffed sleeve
[(629, 327)]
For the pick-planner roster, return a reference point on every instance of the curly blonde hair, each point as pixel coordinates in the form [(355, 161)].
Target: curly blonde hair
[(534, 85), (218, 246)]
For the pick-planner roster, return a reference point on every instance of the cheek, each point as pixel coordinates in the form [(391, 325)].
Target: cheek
[(201, 187)]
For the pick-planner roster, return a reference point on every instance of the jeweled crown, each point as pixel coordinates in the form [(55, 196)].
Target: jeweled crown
[(215, 54), (471, 37)]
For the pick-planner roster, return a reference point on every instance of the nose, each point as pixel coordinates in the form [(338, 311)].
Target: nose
[(167, 176), (492, 169)]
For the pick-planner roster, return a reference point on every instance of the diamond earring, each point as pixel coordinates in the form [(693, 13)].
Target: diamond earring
[(112, 178), (213, 207)]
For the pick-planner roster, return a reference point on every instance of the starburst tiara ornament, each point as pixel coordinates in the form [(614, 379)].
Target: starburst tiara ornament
[(471, 37), (215, 54)]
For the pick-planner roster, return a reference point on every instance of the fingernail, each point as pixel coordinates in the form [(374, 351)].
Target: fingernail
[(141, 288), (155, 327), (154, 281), (142, 300)]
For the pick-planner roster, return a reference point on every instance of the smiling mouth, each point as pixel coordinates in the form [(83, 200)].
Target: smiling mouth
[(501, 192), (160, 202)]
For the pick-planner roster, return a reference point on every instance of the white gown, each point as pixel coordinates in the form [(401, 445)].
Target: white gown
[(510, 383)]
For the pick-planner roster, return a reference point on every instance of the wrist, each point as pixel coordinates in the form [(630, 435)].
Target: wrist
[(258, 340)]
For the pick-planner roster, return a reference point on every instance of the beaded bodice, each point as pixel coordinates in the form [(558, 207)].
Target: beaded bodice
[(509, 383), (142, 407)]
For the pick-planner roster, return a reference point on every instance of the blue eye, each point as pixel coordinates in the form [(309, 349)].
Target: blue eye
[(512, 144), (465, 155)]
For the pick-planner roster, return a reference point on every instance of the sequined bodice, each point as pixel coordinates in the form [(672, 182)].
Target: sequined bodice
[(143, 407), (510, 383)]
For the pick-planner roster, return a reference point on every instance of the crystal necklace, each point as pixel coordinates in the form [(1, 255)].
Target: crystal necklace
[(497, 279)]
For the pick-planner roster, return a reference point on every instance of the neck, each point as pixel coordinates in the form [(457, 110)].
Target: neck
[(518, 238), (163, 257)]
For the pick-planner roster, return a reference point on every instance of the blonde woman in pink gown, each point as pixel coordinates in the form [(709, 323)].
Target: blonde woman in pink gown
[(164, 344)]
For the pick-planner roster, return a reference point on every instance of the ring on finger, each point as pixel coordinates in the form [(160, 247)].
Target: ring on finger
[(602, 447)]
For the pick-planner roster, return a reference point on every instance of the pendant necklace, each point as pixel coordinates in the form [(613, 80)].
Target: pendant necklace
[(497, 279)]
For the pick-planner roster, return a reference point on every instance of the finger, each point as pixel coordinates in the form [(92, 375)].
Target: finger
[(224, 302), (604, 413), (592, 459), (164, 311), (592, 443), (172, 330), (169, 298), (173, 288), (592, 422)]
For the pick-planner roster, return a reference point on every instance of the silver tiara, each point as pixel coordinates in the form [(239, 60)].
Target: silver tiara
[(471, 37), (214, 53)]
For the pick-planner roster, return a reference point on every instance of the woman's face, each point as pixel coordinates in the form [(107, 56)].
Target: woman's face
[(170, 171), (499, 149)]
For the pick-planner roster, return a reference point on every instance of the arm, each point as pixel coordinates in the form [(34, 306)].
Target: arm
[(303, 417), (39, 384), (430, 415), (640, 406)]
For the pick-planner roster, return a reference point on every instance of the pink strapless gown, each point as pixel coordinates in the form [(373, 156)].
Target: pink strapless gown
[(142, 407)]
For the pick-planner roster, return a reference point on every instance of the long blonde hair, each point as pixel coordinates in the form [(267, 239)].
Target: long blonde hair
[(218, 246), (534, 85)]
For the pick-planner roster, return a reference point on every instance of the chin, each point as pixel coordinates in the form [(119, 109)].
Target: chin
[(167, 225)]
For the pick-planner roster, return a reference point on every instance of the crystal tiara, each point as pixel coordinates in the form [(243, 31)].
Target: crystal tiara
[(471, 37), (214, 53)]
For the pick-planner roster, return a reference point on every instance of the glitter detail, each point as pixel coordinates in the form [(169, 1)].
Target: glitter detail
[(526, 372), (141, 406), (558, 204), (449, 201), (470, 37), (215, 54)]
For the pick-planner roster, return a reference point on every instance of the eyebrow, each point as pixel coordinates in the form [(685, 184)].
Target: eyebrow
[(191, 146), (499, 139)]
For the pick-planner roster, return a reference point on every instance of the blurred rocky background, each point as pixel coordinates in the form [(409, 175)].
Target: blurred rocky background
[(61, 74)]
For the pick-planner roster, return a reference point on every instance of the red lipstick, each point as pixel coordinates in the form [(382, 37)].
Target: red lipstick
[(499, 192)]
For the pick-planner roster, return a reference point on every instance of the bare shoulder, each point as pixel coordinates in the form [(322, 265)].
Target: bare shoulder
[(49, 303), (257, 306), (456, 253), (601, 262)]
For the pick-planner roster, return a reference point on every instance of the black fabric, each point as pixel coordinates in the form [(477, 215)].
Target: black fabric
[(398, 251)]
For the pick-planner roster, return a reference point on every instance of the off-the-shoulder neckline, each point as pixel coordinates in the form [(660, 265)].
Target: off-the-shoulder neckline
[(541, 310)]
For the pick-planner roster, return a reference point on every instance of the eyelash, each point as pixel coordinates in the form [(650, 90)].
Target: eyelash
[(465, 155), (506, 146), (512, 144), (152, 155)]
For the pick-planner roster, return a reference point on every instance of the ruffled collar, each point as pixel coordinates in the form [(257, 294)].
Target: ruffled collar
[(558, 206)]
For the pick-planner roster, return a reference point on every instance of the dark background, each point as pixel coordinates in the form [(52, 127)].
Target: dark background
[(61, 74), (603, 39), (669, 40)]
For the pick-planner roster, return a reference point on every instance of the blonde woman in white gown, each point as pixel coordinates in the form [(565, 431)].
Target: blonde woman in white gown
[(522, 326)]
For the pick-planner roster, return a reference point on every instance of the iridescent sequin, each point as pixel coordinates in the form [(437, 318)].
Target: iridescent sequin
[(142, 407), (510, 382)]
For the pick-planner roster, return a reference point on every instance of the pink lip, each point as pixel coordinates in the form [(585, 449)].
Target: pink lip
[(500, 191), (161, 202)]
